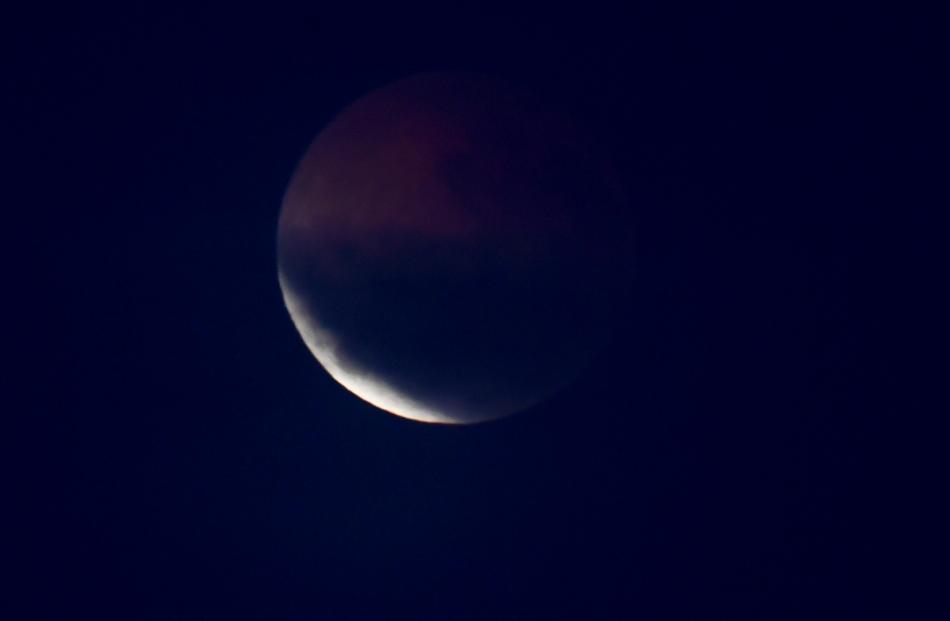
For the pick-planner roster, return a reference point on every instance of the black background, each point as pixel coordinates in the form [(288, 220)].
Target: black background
[(720, 461)]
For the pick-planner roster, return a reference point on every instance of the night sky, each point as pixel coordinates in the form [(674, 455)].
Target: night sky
[(715, 462)]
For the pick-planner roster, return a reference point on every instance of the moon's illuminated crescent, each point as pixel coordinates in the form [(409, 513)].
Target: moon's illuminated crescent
[(325, 348)]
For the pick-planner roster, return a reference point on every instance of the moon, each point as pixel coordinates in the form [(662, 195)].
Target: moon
[(454, 249)]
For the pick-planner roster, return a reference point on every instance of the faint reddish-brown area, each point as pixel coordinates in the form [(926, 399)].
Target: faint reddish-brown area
[(468, 164)]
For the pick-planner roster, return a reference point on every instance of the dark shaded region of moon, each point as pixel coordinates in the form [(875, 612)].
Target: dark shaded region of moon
[(453, 249)]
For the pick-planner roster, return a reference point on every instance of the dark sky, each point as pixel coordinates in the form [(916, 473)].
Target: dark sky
[(196, 463)]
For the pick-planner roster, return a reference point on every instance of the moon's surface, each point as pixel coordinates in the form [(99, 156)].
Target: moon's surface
[(453, 249)]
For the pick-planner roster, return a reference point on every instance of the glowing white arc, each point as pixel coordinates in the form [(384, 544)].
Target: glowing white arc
[(323, 345)]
